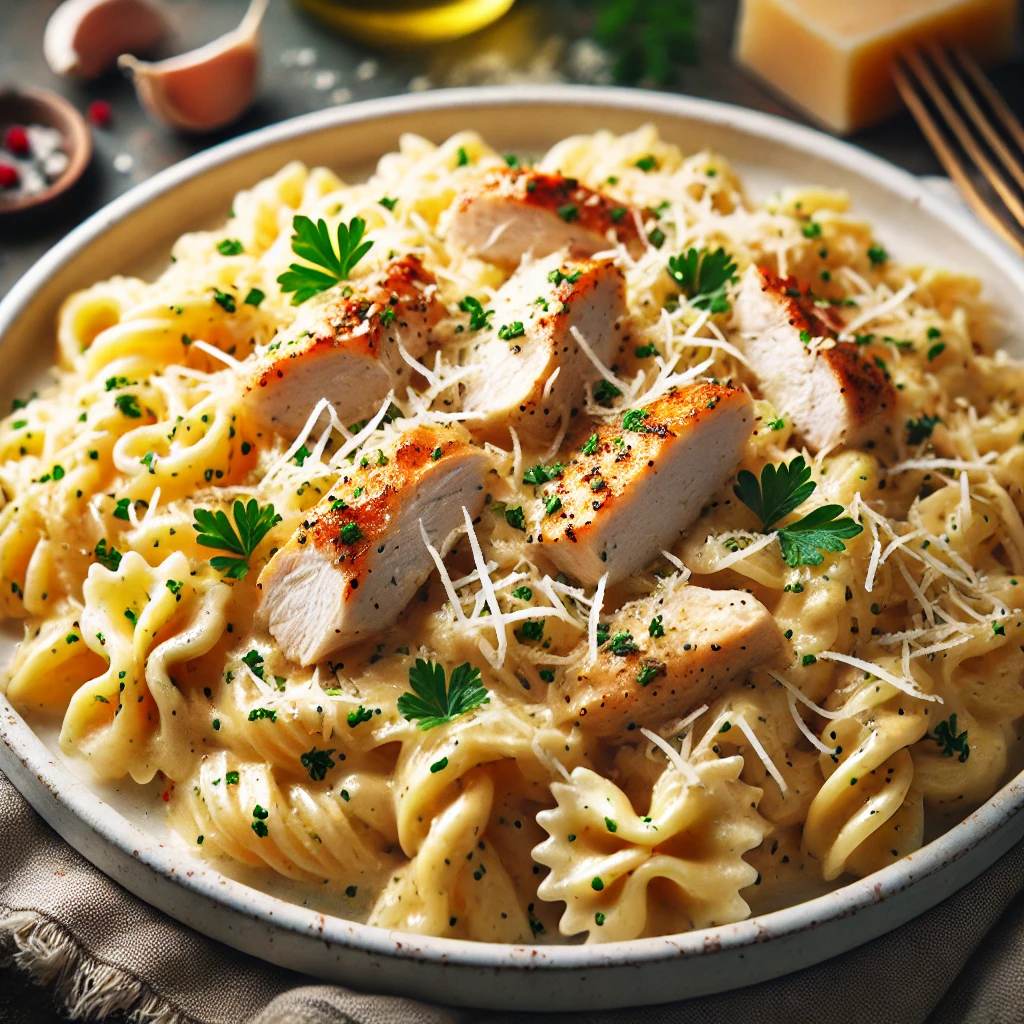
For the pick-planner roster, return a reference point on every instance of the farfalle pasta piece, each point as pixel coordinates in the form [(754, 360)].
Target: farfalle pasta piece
[(682, 862), (145, 621)]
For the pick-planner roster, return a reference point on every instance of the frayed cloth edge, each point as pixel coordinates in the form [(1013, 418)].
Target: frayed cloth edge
[(85, 988)]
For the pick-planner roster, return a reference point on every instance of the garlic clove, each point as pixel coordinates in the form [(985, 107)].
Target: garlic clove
[(206, 88), (84, 37)]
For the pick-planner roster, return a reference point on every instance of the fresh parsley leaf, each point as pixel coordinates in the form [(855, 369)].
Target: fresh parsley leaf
[(820, 530), (313, 242), (431, 703), (781, 489), (703, 276), (253, 523)]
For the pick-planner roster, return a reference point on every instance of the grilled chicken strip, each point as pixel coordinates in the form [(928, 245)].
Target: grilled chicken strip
[(530, 369), (522, 212), (357, 559), (343, 346), (703, 639), (827, 390), (632, 488)]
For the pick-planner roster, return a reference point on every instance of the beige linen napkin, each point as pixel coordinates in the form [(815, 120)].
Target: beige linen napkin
[(100, 949)]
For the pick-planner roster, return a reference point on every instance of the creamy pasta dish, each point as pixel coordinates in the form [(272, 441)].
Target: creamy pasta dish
[(569, 550)]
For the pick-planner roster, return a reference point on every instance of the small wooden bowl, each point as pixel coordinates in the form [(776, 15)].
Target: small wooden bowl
[(39, 106)]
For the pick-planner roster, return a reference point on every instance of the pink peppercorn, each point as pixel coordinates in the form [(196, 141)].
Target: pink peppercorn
[(99, 113), (16, 140), (9, 177)]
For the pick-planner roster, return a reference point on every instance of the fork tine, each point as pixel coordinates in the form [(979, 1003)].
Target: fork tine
[(978, 118), (966, 137), (947, 156), (995, 101)]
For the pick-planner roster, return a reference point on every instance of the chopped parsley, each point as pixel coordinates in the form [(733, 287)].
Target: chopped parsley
[(605, 392), (431, 704), (650, 670), (656, 629), (313, 242), (523, 593), (516, 518), (568, 212), (552, 505), (647, 163), (121, 509), (622, 644), (360, 715), (108, 557), (350, 533), (258, 714), (538, 475), (439, 766), (513, 330), (591, 446), (951, 742), (128, 405), (558, 276), (388, 204), (919, 430), (255, 297), (634, 420), (317, 763), (936, 350), (532, 629), (225, 300), (230, 247), (645, 351), (253, 522), (462, 157), (877, 255), (478, 316)]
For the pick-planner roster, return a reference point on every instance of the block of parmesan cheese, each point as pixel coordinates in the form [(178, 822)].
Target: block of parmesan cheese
[(833, 58)]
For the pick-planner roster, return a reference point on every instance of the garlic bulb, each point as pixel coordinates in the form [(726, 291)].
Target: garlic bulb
[(83, 38), (206, 88)]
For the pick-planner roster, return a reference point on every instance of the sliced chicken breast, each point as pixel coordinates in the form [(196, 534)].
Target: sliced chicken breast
[(643, 481), (358, 557), (343, 346), (704, 640), (530, 371), (524, 212), (826, 389)]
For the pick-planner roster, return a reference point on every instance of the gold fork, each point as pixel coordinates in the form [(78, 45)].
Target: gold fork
[(947, 93)]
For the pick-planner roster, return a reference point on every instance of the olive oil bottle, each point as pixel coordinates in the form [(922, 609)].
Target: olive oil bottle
[(406, 22)]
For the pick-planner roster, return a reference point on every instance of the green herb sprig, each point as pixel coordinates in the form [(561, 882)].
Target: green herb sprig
[(780, 490), (313, 242), (703, 276), (431, 703), (253, 523)]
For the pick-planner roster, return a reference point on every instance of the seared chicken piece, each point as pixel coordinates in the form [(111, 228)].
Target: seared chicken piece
[(633, 488), (343, 346), (827, 390), (358, 557), (710, 638), (516, 359), (525, 212)]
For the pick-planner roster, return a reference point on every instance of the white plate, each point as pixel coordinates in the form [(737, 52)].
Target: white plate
[(107, 824)]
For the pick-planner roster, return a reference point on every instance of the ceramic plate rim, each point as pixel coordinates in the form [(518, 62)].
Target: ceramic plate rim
[(103, 819)]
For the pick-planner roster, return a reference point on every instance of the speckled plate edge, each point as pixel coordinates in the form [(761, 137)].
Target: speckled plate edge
[(477, 974)]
